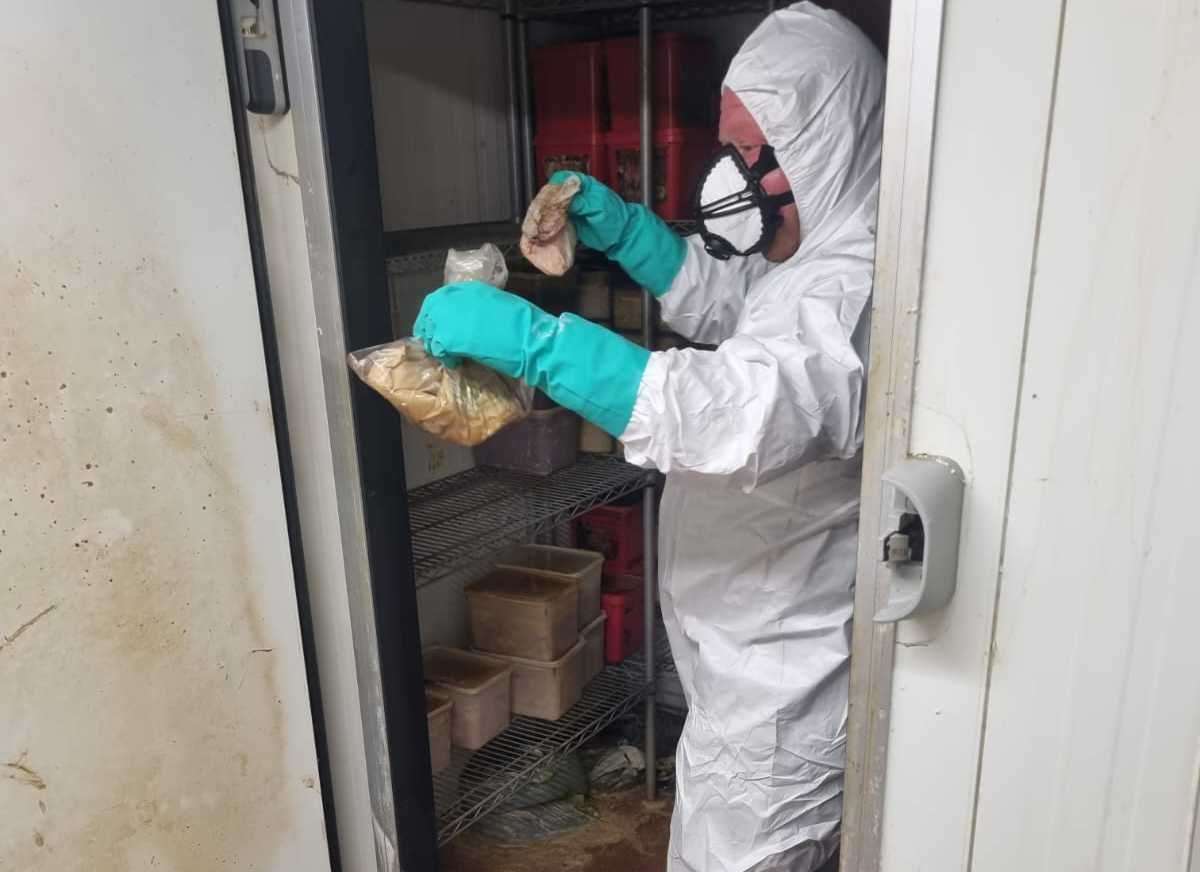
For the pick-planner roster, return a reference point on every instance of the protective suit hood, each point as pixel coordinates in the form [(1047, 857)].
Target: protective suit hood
[(814, 84)]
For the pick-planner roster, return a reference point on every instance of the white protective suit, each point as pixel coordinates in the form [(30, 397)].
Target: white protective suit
[(760, 441)]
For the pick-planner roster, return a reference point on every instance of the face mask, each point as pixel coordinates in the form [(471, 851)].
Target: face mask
[(736, 215)]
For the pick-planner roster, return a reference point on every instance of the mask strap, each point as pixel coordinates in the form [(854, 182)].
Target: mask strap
[(781, 200)]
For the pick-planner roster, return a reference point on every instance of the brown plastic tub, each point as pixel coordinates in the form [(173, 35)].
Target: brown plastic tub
[(581, 568), (438, 712), (480, 688), (523, 614), (592, 638), (540, 444), (548, 690)]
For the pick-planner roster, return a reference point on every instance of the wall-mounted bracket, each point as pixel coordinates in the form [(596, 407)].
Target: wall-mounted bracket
[(919, 551)]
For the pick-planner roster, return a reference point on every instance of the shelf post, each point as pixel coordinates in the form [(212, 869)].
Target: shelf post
[(649, 504), (509, 20), (531, 180)]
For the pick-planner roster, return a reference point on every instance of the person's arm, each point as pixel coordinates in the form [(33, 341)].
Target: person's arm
[(786, 390), (706, 297), (701, 297)]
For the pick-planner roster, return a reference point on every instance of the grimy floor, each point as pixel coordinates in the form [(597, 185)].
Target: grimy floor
[(629, 834)]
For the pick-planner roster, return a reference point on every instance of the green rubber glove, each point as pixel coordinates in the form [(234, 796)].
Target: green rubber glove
[(578, 364), (629, 233)]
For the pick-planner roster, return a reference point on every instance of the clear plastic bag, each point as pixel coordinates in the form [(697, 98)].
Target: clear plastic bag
[(483, 264), (465, 405)]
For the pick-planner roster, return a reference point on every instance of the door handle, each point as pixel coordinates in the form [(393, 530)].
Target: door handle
[(923, 497), (260, 56)]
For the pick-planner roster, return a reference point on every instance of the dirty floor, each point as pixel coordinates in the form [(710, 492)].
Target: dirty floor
[(629, 834)]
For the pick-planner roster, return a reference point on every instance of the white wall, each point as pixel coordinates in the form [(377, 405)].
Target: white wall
[(440, 97), (989, 140), (1094, 703), (1049, 718), (154, 710)]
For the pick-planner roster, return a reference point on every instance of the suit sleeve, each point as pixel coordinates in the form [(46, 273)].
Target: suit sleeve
[(787, 389), (706, 298)]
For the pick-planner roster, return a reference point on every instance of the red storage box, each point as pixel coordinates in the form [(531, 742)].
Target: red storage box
[(679, 158), (569, 100), (581, 154), (686, 84), (616, 532), (623, 608)]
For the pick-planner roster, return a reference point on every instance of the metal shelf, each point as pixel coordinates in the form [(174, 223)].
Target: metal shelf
[(463, 520), (478, 782), (664, 10)]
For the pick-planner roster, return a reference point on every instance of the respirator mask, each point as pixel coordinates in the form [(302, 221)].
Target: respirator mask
[(737, 216)]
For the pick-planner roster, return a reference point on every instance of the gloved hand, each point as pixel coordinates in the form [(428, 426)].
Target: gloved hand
[(628, 233), (580, 365)]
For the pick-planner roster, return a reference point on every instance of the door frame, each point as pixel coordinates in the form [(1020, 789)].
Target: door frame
[(356, 500), (914, 55), (337, 194)]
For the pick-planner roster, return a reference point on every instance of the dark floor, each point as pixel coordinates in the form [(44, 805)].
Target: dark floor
[(628, 834)]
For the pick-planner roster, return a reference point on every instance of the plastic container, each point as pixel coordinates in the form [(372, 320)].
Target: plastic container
[(593, 440), (544, 442), (438, 714), (623, 608), (555, 294), (569, 90), (595, 296), (679, 158), (480, 689), (582, 154), (547, 690), (627, 308), (616, 532), (580, 568), (592, 638), (686, 88), (522, 614)]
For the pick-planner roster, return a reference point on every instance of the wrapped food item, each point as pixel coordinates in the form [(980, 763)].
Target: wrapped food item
[(547, 235), (465, 405), (484, 264)]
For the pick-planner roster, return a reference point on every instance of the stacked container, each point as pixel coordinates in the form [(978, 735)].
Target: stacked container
[(587, 108), (685, 113), (570, 110), (540, 612), (439, 717), (530, 621), (616, 532), (624, 605), (479, 688)]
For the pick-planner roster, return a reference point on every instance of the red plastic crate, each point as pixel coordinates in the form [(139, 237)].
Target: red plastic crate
[(588, 156), (686, 83), (616, 532), (679, 157), (569, 99), (623, 605)]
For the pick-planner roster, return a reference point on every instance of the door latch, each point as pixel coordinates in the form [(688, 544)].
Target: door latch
[(260, 56), (923, 497)]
